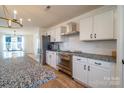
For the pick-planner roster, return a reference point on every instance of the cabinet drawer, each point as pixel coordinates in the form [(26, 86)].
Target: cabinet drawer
[(47, 51), (77, 58), (100, 63)]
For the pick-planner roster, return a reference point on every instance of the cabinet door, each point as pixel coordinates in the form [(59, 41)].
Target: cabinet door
[(103, 26), (48, 58), (86, 28), (80, 71), (58, 35), (51, 59), (57, 60), (98, 77), (48, 32), (77, 70), (54, 60), (52, 36)]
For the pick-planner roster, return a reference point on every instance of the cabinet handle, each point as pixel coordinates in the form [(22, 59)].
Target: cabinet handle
[(122, 61), (98, 63), (84, 67), (94, 35), (91, 35), (78, 59), (88, 68)]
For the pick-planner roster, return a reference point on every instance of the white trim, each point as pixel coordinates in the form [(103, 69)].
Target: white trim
[(120, 44)]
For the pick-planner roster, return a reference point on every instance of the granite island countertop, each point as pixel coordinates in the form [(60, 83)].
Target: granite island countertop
[(89, 55)]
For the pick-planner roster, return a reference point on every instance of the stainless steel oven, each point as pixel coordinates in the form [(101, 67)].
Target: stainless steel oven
[(65, 63)]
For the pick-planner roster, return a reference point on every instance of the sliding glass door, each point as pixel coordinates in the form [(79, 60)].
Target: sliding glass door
[(13, 43)]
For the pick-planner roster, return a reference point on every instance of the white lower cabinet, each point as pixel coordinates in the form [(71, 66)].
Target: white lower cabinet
[(48, 58), (98, 77), (52, 59), (79, 69), (94, 73)]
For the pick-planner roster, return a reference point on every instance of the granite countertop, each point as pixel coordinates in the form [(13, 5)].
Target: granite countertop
[(92, 56), (97, 57)]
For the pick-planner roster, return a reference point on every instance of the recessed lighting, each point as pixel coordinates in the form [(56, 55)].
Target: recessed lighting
[(29, 19), (20, 20), (47, 7), (14, 11)]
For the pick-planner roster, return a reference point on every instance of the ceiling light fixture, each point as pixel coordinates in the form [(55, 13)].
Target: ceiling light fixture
[(29, 19), (11, 22)]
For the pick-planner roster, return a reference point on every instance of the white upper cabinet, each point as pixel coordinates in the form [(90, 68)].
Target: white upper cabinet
[(58, 37), (52, 35), (98, 27), (86, 27), (55, 34), (48, 33), (103, 25)]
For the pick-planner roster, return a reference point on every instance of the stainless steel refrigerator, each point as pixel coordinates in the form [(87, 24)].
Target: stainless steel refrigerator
[(44, 45)]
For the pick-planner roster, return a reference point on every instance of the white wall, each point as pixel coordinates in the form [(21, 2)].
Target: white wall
[(28, 44), (36, 42), (42, 32), (20, 31), (37, 39), (1, 46), (29, 37), (120, 46)]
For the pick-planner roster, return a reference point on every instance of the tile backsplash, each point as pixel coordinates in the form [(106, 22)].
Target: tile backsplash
[(96, 47)]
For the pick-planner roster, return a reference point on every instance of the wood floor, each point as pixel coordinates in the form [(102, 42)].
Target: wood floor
[(62, 81)]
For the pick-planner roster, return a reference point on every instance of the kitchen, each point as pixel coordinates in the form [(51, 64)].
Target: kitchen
[(85, 47), (75, 49)]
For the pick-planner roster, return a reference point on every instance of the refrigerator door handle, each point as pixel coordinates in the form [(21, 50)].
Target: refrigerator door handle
[(123, 61)]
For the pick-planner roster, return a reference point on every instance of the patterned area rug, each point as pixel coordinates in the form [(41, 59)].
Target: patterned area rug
[(22, 73)]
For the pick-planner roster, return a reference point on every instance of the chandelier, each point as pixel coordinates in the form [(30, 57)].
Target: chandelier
[(10, 22)]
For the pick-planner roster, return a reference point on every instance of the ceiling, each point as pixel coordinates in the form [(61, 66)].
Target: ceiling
[(42, 17)]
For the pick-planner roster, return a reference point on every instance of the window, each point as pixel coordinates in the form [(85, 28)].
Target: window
[(13, 43)]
